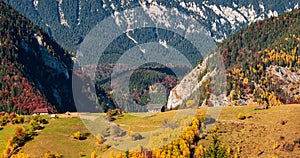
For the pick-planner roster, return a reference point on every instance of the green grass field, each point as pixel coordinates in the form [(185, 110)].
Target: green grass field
[(255, 135), (8, 130), (57, 137), (140, 123)]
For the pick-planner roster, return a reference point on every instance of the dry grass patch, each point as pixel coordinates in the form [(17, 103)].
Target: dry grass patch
[(263, 134)]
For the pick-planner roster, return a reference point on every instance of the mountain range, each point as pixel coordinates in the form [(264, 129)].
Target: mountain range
[(38, 72), (69, 21)]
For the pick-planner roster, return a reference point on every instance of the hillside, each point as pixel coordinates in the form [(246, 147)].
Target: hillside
[(261, 64), (253, 137), (265, 56), (30, 60), (265, 133)]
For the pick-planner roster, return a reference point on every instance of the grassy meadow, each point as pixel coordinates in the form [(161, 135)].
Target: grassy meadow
[(257, 135)]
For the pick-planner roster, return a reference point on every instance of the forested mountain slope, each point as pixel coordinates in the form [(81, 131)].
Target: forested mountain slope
[(261, 63), (265, 55), (35, 71)]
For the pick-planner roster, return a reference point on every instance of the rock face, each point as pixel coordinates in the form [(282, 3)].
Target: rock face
[(284, 74), (286, 79), (186, 86), (283, 77), (191, 83)]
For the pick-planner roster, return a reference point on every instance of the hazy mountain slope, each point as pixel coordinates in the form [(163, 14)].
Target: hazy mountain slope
[(68, 21), (35, 70), (262, 64)]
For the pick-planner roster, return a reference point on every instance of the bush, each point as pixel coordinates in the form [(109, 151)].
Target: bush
[(111, 114), (117, 131), (93, 154), (190, 103), (27, 119), (100, 139), (20, 155), (241, 116), (14, 121), (19, 137), (81, 154), (78, 135), (28, 130), (49, 154), (288, 146), (136, 136), (12, 115), (247, 115), (109, 117), (39, 119), (4, 119), (275, 145), (34, 125), (17, 119), (297, 140), (1, 121), (216, 149)]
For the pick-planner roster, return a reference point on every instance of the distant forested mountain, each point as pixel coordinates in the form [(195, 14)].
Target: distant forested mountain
[(69, 21)]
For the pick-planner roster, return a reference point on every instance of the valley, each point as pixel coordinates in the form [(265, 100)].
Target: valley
[(244, 135), (149, 78)]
